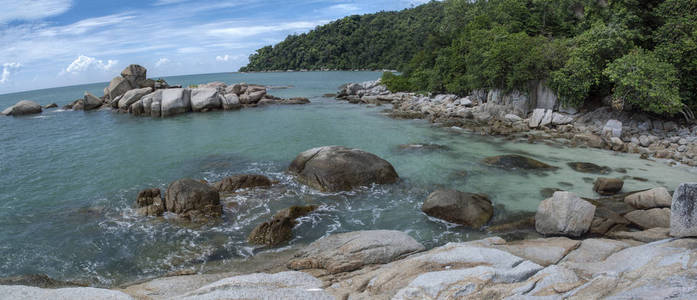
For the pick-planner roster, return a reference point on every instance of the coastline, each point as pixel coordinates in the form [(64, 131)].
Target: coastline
[(522, 269)]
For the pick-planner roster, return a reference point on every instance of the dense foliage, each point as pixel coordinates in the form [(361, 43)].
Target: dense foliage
[(641, 52), (385, 40)]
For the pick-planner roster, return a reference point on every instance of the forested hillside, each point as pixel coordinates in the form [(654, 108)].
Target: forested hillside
[(642, 52), (385, 40)]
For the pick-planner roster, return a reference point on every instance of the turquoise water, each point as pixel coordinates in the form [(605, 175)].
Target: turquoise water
[(68, 180)]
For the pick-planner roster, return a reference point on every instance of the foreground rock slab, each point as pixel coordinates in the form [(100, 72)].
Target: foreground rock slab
[(345, 252), (653, 198), (26, 292), (284, 285), (467, 209), (564, 214), (337, 168)]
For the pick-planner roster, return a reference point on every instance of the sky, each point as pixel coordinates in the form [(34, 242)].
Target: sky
[(51, 43)]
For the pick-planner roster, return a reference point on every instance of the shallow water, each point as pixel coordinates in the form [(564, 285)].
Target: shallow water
[(68, 180)]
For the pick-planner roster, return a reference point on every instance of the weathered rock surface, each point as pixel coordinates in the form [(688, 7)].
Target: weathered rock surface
[(24, 107), (607, 186), (653, 198), (650, 218), (543, 252), (515, 161), (345, 252), (683, 212), (564, 214), (203, 99), (193, 199), (135, 75), (91, 102), (336, 168), (284, 285), (174, 102), (612, 128), (231, 102), (646, 236), (473, 210), (243, 181), (36, 280), (595, 250), (117, 87), (131, 97)]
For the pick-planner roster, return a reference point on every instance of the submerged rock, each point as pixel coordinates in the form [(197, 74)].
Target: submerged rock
[(683, 211), (607, 186), (24, 107), (336, 168), (349, 251), (193, 199), (514, 161), (564, 214), (52, 105), (585, 167), (473, 210), (422, 147), (245, 181)]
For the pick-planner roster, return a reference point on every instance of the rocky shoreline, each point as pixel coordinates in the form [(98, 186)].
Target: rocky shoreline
[(133, 93), (538, 117)]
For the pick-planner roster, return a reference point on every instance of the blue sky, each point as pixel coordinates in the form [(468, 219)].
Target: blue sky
[(50, 43)]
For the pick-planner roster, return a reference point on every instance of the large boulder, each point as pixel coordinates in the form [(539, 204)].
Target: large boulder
[(24, 107), (91, 102), (612, 128), (536, 117), (336, 168), (280, 228), (683, 211), (132, 96), (350, 251), (653, 198), (175, 101), (515, 161), (117, 87), (135, 74), (473, 210), (284, 285), (564, 214), (231, 101), (205, 99), (244, 181), (650, 218), (193, 199), (608, 186)]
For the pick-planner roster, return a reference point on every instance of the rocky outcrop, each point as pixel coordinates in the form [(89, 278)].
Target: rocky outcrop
[(607, 186), (131, 97), (205, 99), (515, 161), (244, 181), (24, 107), (473, 210), (350, 251), (279, 229), (135, 75), (564, 214), (174, 102), (117, 87), (90, 102), (193, 199), (150, 202), (336, 168), (683, 211), (653, 198)]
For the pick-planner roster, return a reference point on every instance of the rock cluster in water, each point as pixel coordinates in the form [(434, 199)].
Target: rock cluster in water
[(538, 115)]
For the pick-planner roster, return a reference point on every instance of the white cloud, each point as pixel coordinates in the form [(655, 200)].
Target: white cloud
[(84, 63), (245, 31), (344, 8), (32, 9), (7, 70), (161, 61), (222, 58)]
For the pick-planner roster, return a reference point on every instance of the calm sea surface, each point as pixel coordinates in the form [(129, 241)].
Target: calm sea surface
[(68, 180)]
